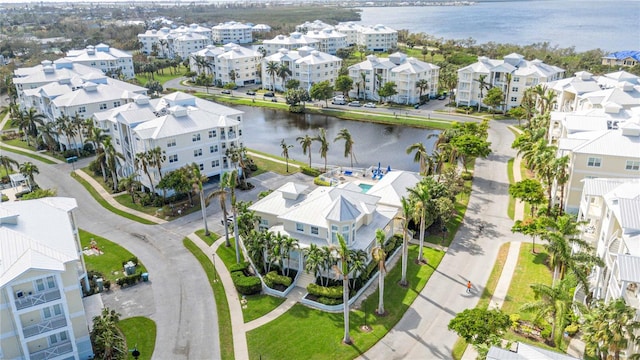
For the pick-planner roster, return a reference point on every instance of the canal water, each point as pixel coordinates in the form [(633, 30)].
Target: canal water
[(263, 129)]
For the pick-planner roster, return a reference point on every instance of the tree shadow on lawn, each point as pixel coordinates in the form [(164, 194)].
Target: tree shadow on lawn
[(541, 258)]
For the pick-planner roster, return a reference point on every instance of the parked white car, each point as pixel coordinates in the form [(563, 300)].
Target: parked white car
[(369, 105)]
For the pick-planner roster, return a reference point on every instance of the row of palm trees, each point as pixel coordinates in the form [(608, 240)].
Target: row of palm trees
[(308, 140), (275, 69), (28, 169)]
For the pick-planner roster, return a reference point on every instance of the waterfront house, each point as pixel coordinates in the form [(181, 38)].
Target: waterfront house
[(307, 65), (113, 62), (627, 58), (292, 42)]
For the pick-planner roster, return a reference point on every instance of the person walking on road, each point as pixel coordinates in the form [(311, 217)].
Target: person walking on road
[(469, 287)]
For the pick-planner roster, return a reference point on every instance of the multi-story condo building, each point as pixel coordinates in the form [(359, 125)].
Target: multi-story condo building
[(350, 30), (204, 61), (609, 207), (307, 65), (113, 62), (62, 88), (232, 32), (622, 58), (261, 28), (42, 275), (604, 153), (170, 43), (370, 75), (315, 25), (473, 80), (187, 130), (377, 38), (237, 64), (329, 40), (295, 41)]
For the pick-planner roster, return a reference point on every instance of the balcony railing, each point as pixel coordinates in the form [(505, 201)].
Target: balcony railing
[(37, 299), (52, 352), (44, 326)]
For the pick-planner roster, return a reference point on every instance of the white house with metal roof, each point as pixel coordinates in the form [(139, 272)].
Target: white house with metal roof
[(370, 75), (605, 153), (228, 63), (181, 41), (377, 38), (329, 40), (307, 65), (111, 61), (318, 216), (522, 351), (292, 42), (42, 273), (610, 208), (524, 74), (187, 130)]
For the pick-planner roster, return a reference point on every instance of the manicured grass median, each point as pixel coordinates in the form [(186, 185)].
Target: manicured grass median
[(28, 154), (209, 239), (304, 333), (260, 305), (106, 205), (140, 333), (222, 306), (110, 262)]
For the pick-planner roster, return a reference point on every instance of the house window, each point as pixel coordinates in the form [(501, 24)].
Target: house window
[(514, 89), (197, 152), (299, 227), (212, 134), (516, 79), (264, 224), (513, 98), (215, 163), (314, 230), (171, 143), (82, 109), (103, 106), (213, 148), (334, 234), (173, 158), (345, 234), (594, 162), (195, 137), (201, 166), (632, 165)]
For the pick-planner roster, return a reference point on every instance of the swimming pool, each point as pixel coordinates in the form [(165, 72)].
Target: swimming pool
[(365, 187)]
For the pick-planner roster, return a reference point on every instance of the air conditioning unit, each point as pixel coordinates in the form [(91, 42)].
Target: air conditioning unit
[(19, 294)]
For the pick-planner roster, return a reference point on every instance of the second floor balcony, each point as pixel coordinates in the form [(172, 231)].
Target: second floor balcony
[(52, 352), (37, 298), (44, 326)]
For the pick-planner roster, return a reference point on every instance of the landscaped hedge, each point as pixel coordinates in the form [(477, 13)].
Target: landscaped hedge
[(239, 267), (272, 278), (321, 182), (129, 280), (328, 292), (309, 171), (246, 285)]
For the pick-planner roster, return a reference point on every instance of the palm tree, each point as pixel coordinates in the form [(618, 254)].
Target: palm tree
[(482, 85), (272, 71), (141, 162), (344, 134), (106, 337), (230, 182), (8, 164), (610, 328), (314, 260), (324, 145), (78, 124), (112, 161), (131, 184), (422, 85), (363, 76), (28, 121), (198, 180), (553, 303), (285, 152), (343, 270), (421, 201), (46, 134), (358, 260), (28, 169), (380, 256), (283, 73), (97, 137), (221, 194), (420, 156), (156, 156), (405, 218), (507, 77), (305, 142)]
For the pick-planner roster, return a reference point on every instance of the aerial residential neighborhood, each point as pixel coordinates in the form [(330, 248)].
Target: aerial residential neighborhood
[(315, 180)]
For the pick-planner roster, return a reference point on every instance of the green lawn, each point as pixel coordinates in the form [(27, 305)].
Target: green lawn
[(531, 269), (106, 205), (304, 333), (260, 305), (110, 262), (28, 154), (265, 165), (210, 239), (140, 333), (228, 254), (169, 74), (222, 306), (512, 201)]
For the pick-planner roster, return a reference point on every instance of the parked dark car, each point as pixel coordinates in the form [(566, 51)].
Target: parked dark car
[(225, 91), (250, 92), (416, 106), (269, 94), (274, 100)]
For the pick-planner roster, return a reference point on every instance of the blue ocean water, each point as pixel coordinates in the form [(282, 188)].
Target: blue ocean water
[(611, 25)]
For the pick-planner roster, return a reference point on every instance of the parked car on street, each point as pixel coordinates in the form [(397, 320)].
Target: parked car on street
[(355, 103), (369, 105), (338, 100), (225, 91), (269, 94), (251, 92)]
